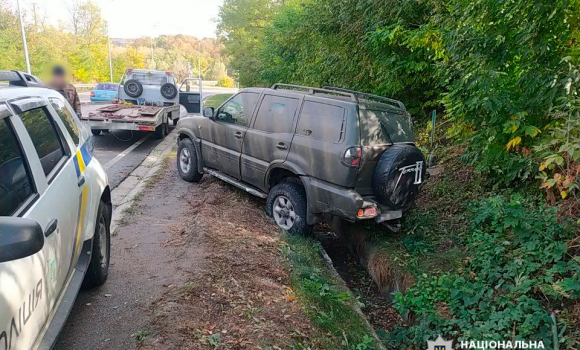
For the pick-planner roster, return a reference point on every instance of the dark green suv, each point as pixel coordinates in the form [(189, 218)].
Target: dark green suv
[(309, 151)]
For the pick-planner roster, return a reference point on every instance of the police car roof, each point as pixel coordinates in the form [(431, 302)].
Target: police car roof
[(12, 92)]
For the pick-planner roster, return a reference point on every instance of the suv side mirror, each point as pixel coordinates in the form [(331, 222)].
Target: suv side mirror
[(19, 238), (208, 112)]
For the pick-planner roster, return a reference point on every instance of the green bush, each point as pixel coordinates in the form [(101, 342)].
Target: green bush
[(518, 273), (226, 82)]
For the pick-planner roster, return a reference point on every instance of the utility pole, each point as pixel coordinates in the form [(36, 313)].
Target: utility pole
[(199, 57), (110, 59), (34, 12), (23, 38), (151, 62)]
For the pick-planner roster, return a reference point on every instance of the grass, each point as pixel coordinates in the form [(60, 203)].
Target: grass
[(216, 100), (326, 300), (141, 335)]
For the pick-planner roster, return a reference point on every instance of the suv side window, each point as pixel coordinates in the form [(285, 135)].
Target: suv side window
[(321, 121), (67, 117), (276, 114), (44, 135), (238, 109), (16, 184)]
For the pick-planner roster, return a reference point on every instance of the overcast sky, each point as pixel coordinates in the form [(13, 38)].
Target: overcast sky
[(136, 18)]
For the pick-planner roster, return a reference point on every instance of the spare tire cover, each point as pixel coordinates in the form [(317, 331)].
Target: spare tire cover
[(398, 176), (133, 88)]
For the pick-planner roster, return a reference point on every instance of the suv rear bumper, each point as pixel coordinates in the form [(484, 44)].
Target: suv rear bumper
[(326, 198)]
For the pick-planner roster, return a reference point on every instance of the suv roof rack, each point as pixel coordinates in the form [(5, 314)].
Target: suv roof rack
[(16, 78), (313, 90), (368, 96)]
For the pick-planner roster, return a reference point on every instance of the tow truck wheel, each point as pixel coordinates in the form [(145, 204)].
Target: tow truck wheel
[(96, 132), (160, 131), (98, 269), (175, 120), (166, 127)]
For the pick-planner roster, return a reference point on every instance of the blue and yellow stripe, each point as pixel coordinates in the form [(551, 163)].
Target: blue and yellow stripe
[(81, 160)]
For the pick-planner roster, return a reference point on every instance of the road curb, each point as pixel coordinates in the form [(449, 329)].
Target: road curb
[(123, 196), (357, 309)]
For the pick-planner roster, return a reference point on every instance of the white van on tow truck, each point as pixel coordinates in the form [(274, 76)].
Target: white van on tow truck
[(147, 100)]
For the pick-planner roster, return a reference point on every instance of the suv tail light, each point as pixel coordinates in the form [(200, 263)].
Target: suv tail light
[(353, 156), (367, 213), (92, 94)]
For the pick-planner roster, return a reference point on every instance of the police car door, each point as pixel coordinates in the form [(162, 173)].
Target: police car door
[(57, 209)]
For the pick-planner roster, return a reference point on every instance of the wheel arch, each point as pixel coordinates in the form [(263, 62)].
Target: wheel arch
[(106, 198), (185, 133), (280, 171), (286, 171)]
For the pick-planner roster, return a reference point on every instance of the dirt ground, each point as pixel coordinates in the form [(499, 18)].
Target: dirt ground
[(196, 266)]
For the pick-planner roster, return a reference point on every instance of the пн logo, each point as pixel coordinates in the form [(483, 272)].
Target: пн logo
[(440, 344)]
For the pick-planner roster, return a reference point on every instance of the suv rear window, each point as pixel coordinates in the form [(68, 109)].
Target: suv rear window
[(150, 79), (321, 121), (276, 114), (386, 126), (15, 180), (44, 136)]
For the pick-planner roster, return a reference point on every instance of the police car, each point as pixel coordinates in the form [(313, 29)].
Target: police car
[(55, 212)]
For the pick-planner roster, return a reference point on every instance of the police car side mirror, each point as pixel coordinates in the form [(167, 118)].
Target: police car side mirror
[(19, 238), (208, 112)]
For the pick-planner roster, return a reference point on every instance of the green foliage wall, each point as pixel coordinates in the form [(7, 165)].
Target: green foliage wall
[(501, 71)]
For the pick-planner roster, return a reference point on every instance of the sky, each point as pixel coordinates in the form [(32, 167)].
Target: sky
[(137, 18)]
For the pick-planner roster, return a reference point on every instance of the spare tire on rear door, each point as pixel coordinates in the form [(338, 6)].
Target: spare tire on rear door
[(133, 88), (169, 91), (398, 176)]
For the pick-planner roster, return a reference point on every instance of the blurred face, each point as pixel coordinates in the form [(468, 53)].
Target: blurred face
[(58, 79)]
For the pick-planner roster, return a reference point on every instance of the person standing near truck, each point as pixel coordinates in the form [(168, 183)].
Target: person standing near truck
[(60, 84)]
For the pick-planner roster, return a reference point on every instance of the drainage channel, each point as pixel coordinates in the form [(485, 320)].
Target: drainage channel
[(381, 314)]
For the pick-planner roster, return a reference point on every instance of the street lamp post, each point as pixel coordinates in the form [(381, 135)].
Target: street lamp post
[(110, 59), (23, 38)]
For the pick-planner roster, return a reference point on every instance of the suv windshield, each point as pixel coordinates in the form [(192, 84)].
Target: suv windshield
[(394, 127)]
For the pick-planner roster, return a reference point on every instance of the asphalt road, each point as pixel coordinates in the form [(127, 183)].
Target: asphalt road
[(119, 152)]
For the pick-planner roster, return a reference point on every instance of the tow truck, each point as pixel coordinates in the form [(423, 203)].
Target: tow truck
[(147, 100)]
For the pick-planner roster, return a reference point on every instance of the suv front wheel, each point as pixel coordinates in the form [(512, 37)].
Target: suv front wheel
[(286, 204), (187, 161)]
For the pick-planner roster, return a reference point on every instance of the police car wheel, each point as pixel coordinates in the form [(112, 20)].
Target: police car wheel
[(98, 269)]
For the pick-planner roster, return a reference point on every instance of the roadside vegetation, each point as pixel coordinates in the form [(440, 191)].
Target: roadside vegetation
[(491, 250), (325, 298)]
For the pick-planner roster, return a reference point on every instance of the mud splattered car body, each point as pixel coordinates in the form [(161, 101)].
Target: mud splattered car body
[(309, 151)]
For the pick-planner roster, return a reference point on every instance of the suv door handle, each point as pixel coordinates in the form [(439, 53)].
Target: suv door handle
[(52, 226), (281, 146), (238, 135), (81, 181)]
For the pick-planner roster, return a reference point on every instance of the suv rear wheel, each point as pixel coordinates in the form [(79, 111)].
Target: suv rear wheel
[(187, 161), (286, 204)]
